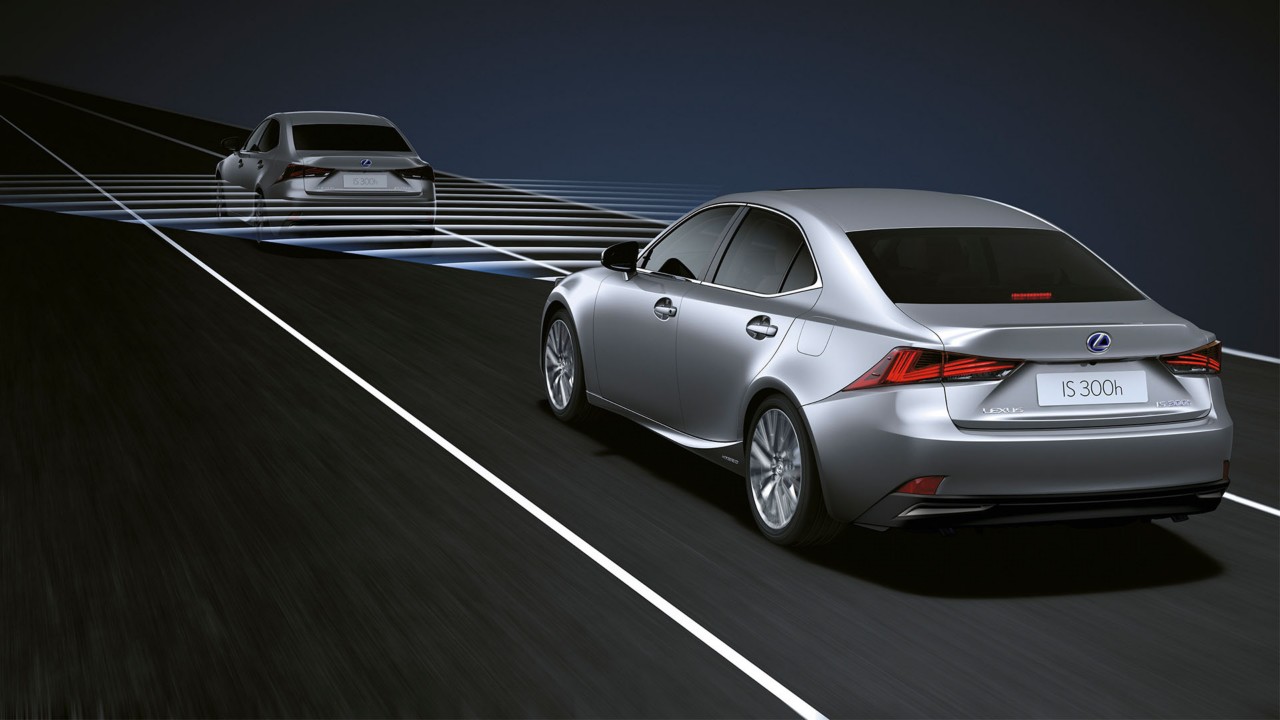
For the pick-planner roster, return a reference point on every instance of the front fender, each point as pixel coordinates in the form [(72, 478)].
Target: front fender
[(577, 294)]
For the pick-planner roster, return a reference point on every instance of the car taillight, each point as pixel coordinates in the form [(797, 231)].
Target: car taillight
[(969, 367), (423, 172), (901, 366), (295, 171), (905, 365), (1204, 360), (1031, 296)]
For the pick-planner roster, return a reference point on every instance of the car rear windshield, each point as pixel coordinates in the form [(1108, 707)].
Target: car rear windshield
[(368, 138), (981, 265)]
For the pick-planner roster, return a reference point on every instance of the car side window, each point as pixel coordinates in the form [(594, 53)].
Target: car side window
[(803, 272), (766, 255), (686, 251), (270, 137), (251, 145)]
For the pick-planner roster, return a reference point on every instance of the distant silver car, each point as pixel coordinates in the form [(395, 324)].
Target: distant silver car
[(896, 358), (333, 168)]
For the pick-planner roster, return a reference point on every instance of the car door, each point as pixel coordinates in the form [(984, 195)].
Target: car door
[(253, 157), (636, 318), (257, 157), (241, 169), (733, 324), (268, 167)]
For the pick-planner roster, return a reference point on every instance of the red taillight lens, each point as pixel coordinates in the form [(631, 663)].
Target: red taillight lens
[(423, 172), (1204, 360), (902, 365), (906, 365), (927, 485), (969, 367), (295, 171), (1030, 296)]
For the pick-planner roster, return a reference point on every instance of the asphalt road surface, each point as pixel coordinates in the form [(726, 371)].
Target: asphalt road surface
[(199, 516)]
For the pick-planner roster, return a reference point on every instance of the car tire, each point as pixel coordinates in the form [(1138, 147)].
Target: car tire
[(220, 204), (563, 378), (427, 236), (784, 492), (259, 217)]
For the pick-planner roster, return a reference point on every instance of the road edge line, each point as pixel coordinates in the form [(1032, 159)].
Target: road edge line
[(777, 689), (104, 117)]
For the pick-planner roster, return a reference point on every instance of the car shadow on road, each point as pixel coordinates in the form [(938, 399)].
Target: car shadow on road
[(1019, 561), (667, 461), (1025, 561)]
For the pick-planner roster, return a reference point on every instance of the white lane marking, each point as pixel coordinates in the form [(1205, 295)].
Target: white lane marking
[(114, 120), (1239, 353), (671, 200), (688, 187), (490, 181), (1249, 503), (505, 251), (1252, 356), (106, 175), (552, 197), (752, 671)]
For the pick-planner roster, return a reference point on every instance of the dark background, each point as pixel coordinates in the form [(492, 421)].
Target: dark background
[(1147, 129)]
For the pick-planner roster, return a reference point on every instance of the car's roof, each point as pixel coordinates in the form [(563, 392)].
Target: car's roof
[(857, 209), (332, 116)]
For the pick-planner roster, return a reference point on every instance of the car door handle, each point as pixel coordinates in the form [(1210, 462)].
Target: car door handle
[(259, 164), (240, 163), (761, 327), (664, 309)]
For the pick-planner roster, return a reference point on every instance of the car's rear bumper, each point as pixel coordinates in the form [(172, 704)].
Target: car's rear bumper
[(291, 198), (869, 444), (354, 200), (351, 205), (353, 213), (902, 510)]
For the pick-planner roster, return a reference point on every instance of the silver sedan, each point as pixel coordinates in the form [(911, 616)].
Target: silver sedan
[(896, 359), (337, 169)]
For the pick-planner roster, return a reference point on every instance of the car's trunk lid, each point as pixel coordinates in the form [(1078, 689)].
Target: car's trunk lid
[(1062, 383), (362, 173)]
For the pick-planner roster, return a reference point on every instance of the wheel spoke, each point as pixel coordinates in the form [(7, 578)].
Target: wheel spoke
[(786, 503), (557, 341), (771, 432), (760, 455), (776, 502)]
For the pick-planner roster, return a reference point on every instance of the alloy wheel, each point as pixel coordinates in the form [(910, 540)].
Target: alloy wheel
[(558, 365), (776, 469)]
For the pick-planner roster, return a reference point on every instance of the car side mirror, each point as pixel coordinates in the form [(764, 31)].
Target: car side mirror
[(232, 144), (621, 257)]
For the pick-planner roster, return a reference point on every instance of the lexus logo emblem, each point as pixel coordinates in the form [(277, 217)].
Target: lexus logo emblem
[(1098, 343), (366, 163)]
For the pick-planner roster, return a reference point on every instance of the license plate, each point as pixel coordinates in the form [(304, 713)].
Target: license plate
[(1095, 388), (365, 181)]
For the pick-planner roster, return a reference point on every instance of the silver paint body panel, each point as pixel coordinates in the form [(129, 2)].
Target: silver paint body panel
[(695, 376)]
